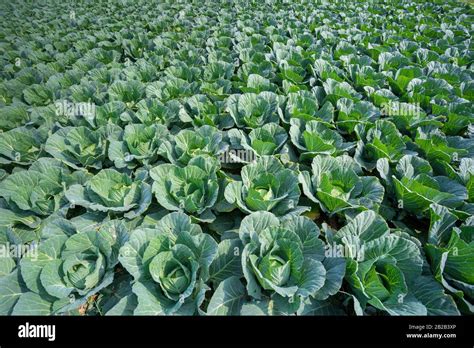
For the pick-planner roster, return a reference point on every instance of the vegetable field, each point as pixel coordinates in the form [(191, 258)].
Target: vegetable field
[(236, 158)]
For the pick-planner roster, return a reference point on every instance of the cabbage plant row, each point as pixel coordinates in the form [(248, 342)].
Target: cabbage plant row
[(236, 158)]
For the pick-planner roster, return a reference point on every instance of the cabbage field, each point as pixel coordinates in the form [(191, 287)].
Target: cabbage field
[(237, 157)]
